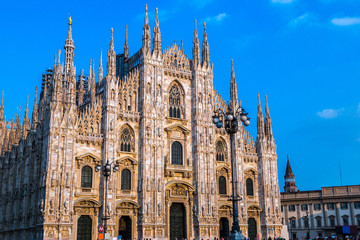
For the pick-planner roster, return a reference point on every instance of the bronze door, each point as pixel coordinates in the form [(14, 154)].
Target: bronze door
[(177, 221), (252, 228), (125, 228), (84, 228), (224, 227)]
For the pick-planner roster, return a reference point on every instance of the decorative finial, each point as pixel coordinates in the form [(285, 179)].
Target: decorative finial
[(205, 26), (70, 20), (232, 64), (266, 99), (157, 12), (195, 23), (112, 32), (259, 97), (146, 9)]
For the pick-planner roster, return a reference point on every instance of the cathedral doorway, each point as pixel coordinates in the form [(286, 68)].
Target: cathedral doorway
[(177, 221), (125, 225), (84, 228), (252, 228), (224, 227)]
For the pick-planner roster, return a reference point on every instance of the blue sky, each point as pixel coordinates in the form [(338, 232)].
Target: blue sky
[(304, 54)]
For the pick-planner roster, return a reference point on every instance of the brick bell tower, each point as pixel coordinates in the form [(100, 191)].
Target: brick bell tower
[(289, 178)]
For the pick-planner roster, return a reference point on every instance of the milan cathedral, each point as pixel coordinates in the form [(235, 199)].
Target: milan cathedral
[(151, 116)]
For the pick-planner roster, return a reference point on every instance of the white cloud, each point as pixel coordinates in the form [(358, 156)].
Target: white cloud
[(346, 21), (216, 19), (330, 113), (282, 1), (299, 20)]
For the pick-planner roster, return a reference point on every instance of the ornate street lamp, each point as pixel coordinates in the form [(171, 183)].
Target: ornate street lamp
[(230, 118), (106, 171)]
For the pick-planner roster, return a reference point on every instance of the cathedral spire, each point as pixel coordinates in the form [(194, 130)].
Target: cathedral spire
[(268, 123), (205, 50), (157, 37), (34, 117), (111, 64), (69, 49), (26, 121), (18, 125), (260, 121), (233, 89), (81, 88), (101, 72), (146, 39), (2, 106), (196, 47), (126, 44), (92, 83)]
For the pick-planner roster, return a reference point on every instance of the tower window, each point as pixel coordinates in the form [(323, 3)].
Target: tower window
[(176, 153), (222, 185), (86, 177), (344, 205), (249, 187), (125, 179)]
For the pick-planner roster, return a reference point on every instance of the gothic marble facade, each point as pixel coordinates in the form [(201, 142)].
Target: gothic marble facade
[(150, 114)]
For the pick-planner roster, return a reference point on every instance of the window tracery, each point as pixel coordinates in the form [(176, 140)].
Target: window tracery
[(174, 102), (220, 151), (127, 140)]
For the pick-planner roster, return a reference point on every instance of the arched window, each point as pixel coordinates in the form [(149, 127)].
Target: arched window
[(125, 179), (86, 177), (220, 151), (176, 153), (84, 228), (222, 185), (174, 102), (249, 187), (126, 140)]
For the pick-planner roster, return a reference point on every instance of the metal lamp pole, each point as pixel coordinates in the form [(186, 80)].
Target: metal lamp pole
[(231, 126), (106, 171)]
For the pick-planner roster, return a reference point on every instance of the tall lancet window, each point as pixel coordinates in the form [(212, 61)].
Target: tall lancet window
[(174, 102), (249, 187), (220, 151), (126, 140)]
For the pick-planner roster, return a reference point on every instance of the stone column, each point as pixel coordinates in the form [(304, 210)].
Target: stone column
[(324, 214), (352, 214), (337, 214)]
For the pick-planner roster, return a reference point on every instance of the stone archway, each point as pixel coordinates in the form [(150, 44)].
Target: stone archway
[(253, 213), (125, 228), (127, 210), (178, 204)]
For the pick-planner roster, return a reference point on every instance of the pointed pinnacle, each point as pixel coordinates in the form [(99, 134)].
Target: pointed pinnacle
[(157, 18), (112, 40), (59, 56), (101, 58), (2, 99)]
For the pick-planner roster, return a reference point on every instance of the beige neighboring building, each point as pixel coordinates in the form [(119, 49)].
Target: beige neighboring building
[(151, 115), (321, 213)]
